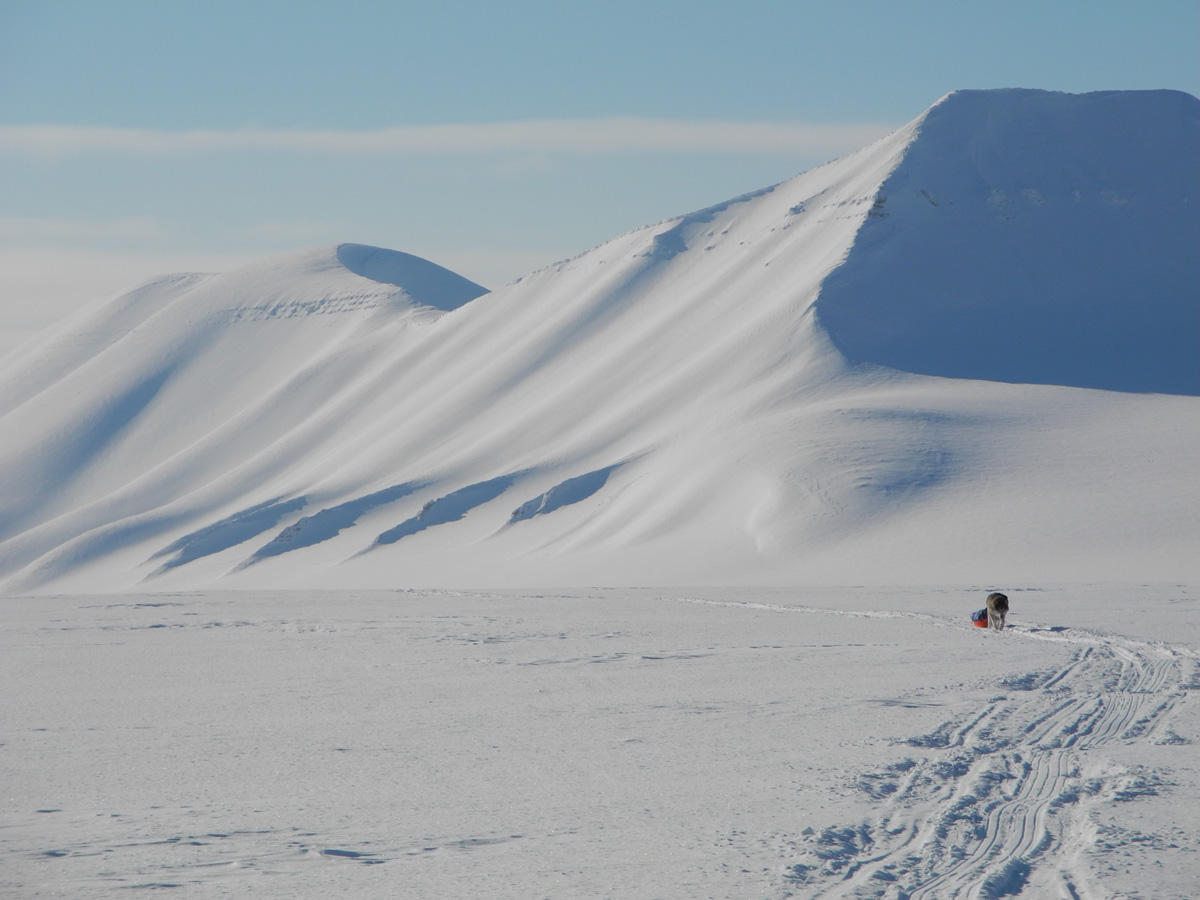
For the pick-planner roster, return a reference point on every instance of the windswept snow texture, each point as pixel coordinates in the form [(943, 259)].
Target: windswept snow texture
[(450, 508), (1029, 236), (328, 523), (670, 243), (573, 490), (229, 532), (773, 371)]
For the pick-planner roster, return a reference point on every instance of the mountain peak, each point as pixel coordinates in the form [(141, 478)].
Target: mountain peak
[(1034, 236)]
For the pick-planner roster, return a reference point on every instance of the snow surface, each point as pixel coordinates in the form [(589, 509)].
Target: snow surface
[(632, 743), (1068, 245), (356, 417), (959, 360)]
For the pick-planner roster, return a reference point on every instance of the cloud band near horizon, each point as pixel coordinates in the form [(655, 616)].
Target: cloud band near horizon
[(619, 134)]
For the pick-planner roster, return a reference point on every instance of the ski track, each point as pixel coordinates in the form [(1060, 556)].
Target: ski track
[(1005, 789)]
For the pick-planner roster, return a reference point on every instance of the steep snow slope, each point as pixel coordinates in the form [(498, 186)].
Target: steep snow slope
[(190, 381), (665, 408), (1029, 236)]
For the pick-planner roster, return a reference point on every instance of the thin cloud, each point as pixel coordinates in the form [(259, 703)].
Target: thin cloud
[(580, 136), (16, 231)]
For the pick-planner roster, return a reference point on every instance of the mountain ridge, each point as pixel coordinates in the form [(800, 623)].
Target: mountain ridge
[(303, 406)]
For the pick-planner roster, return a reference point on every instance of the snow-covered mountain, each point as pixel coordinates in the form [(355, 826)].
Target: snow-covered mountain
[(927, 361)]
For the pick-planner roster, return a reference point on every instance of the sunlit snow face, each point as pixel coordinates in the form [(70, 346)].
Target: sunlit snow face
[(302, 410)]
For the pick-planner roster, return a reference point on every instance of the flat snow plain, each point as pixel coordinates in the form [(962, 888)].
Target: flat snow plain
[(627, 743)]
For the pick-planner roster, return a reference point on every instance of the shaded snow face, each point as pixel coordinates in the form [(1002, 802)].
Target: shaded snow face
[(425, 283), (1034, 237)]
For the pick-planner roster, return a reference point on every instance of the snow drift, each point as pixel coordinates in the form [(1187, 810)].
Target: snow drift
[(774, 389)]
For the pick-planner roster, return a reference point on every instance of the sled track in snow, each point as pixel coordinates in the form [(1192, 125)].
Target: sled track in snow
[(992, 795)]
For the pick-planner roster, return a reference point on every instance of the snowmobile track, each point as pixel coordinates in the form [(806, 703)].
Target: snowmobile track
[(1000, 791)]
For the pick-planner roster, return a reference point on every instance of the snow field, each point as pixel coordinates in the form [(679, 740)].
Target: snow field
[(638, 743)]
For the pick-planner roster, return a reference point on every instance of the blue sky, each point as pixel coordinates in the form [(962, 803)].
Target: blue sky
[(140, 136)]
